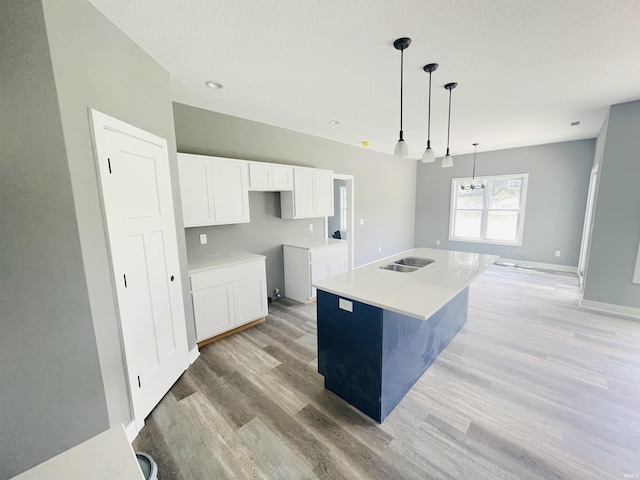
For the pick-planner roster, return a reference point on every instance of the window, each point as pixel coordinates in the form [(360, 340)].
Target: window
[(343, 207), (494, 214)]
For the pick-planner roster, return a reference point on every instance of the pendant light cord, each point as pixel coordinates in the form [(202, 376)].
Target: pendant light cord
[(429, 117), (401, 88), (475, 148), (449, 122)]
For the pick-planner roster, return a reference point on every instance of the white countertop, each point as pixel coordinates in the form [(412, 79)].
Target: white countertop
[(418, 294), (313, 243), (107, 456), (218, 260)]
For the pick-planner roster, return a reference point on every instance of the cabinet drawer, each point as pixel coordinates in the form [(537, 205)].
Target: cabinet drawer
[(326, 253), (227, 274)]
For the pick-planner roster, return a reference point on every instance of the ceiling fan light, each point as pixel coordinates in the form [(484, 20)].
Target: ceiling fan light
[(401, 149), (428, 156)]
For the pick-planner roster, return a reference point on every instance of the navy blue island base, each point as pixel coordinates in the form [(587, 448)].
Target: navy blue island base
[(371, 357)]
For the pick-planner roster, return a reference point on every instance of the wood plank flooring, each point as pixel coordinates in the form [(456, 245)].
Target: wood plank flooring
[(532, 388)]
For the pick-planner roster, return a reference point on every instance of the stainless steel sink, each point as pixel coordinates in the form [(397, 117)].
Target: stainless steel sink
[(399, 268), (408, 264), (414, 262)]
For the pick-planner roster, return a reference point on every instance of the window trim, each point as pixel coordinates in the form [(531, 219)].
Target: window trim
[(485, 211)]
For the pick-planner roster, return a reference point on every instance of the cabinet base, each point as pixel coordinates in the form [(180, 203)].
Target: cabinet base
[(230, 332)]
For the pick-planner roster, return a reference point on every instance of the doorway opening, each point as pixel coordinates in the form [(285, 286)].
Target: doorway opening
[(341, 225)]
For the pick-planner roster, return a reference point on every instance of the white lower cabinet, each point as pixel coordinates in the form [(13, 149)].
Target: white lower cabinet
[(228, 290), (309, 262), (213, 310)]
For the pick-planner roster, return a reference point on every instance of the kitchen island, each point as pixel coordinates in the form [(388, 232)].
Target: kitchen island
[(380, 326)]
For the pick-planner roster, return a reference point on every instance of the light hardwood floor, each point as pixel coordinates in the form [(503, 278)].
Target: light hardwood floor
[(532, 388)]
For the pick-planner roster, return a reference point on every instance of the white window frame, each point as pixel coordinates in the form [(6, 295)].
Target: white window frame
[(455, 187)]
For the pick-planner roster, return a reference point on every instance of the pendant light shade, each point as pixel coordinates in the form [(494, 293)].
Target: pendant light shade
[(401, 149), (428, 156), (447, 161), (401, 44)]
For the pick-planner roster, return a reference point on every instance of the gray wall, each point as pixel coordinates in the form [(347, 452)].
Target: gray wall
[(62, 372), (96, 66), (51, 392), (616, 224), (556, 199), (384, 188)]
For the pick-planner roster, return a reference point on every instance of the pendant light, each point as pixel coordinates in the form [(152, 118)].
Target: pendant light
[(447, 161), (473, 185), (401, 149), (428, 155)]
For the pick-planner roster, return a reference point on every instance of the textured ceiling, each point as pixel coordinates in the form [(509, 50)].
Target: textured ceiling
[(526, 69)]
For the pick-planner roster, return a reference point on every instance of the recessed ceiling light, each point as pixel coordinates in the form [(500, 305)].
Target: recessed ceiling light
[(334, 122), (212, 84), (575, 124)]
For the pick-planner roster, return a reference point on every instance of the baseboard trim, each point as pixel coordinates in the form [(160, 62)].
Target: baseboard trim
[(610, 309), (193, 355), (543, 266), (230, 332)]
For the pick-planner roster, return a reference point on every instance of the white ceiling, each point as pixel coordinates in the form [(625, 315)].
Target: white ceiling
[(526, 68)]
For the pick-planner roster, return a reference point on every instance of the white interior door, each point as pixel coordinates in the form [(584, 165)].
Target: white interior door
[(138, 208)]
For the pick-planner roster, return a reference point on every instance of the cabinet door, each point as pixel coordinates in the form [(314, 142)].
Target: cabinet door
[(282, 177), (323, 192), (195, 191), (260, 176), (250, 297), (304, 205), (213, 309), (319, 271), (230, 191), (338, 265)]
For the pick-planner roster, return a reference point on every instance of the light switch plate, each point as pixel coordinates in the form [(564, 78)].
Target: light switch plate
[(203, 238)]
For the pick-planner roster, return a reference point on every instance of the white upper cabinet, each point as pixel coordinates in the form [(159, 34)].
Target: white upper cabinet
[(214, 190), (270, 177), (312, 194)]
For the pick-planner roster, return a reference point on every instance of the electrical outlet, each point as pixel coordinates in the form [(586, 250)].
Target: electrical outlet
[(379, 249), (362, 221), (311, 227), (557, 253), (203, 238), (437, 242)]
